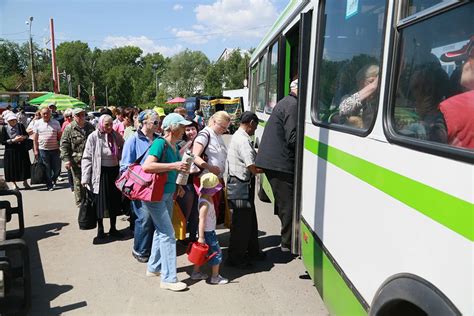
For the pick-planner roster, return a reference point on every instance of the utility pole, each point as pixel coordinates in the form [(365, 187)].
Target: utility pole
[(53, 59), (32, 63), (69, 84)]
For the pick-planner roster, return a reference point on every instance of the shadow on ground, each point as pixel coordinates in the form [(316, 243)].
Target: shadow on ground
[(270, 244), (43, 293)]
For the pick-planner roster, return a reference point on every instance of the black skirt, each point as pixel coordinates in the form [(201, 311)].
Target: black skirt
[(109, 199), (16, 164)]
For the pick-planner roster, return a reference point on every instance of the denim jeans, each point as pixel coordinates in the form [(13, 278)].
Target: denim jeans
[(52, 161), (211, 240), (143, 231), (163, 249)]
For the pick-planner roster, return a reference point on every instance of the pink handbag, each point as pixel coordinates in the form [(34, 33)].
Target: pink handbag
[(136, 184)]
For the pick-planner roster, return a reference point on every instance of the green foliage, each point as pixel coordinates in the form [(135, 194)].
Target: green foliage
[(214, 79), (185, 73), (129, 76)]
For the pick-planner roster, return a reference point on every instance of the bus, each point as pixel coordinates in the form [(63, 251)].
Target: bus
[(383, 207)]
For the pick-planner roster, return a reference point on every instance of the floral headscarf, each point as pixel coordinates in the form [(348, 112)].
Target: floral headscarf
[(109, 137)]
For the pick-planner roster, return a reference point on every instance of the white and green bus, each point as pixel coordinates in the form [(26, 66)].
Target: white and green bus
[(384, 190)]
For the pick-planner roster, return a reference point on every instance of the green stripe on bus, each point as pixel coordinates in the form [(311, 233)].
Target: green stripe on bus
[(450, 211), (337, 296)]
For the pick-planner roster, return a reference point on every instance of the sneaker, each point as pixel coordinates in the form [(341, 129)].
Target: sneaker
[(219, 280), (51, 188), (175, 286), (198, 276), (152, 274)]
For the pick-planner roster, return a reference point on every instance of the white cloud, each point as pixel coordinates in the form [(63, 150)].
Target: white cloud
[(177, 7), (191, 37), (230, 19), (146, 44)]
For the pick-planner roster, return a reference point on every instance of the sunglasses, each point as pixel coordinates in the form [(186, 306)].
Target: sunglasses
[(156, 122)]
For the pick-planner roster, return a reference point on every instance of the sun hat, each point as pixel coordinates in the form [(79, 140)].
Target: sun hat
[(210, 184), (160, 111), (174, 119), (10, 117), (78, 111), (460, 54), (248, 117)]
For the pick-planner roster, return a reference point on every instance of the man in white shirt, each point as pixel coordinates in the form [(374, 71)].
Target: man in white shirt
[(47, 133), (244, 244)]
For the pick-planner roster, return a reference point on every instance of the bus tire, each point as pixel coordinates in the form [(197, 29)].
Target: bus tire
[(408, 294)]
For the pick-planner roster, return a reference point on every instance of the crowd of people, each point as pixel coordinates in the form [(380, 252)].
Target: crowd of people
[(95, 151)]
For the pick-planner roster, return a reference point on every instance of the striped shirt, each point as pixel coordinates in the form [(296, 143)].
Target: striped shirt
[(48, 134)]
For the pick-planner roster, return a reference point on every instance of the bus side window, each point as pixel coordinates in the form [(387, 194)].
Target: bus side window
[(272, 79), (261, 88), (434, 99), (253, 82), (348, 83)]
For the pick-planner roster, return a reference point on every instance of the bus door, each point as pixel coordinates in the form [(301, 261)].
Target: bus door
[(297, 48)]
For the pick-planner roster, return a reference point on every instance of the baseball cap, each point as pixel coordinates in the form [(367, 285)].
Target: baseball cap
[(145, 115), (210, 184), (248, 117), (77, 111), (10, 117), (50, 104), (174, 119), (460, 54), (160, 111)]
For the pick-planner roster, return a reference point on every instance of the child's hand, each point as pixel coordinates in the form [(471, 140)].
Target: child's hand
[(201, 240)]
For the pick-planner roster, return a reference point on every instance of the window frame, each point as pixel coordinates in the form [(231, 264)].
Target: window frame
[(438, 149), (317, 71)]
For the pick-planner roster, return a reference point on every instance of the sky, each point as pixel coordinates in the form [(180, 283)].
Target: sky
[(161, 26)]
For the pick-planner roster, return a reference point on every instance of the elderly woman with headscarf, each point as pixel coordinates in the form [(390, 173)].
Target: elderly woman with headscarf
[(137, 144), (164, 156), (16, 162), (100, 169)]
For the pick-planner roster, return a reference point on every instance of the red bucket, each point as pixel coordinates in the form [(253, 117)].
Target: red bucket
[(197, 253)]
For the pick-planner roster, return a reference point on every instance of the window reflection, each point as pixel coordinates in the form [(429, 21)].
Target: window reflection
[(273, 79), (435, 89), (349, 72), (262, 75)]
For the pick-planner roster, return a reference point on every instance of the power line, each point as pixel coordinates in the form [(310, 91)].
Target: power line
[(162, 38)]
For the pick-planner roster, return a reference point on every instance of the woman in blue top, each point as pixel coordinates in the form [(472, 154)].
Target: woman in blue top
[(137, 144), (163, 250)]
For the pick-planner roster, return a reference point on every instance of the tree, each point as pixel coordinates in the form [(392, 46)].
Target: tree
[(185, 73), (72, 57), (214, 79)]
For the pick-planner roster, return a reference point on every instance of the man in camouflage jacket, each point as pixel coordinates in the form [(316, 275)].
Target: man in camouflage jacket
[(73, 142)]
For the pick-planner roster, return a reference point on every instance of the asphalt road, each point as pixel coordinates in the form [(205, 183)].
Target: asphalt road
[(71, 275)]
